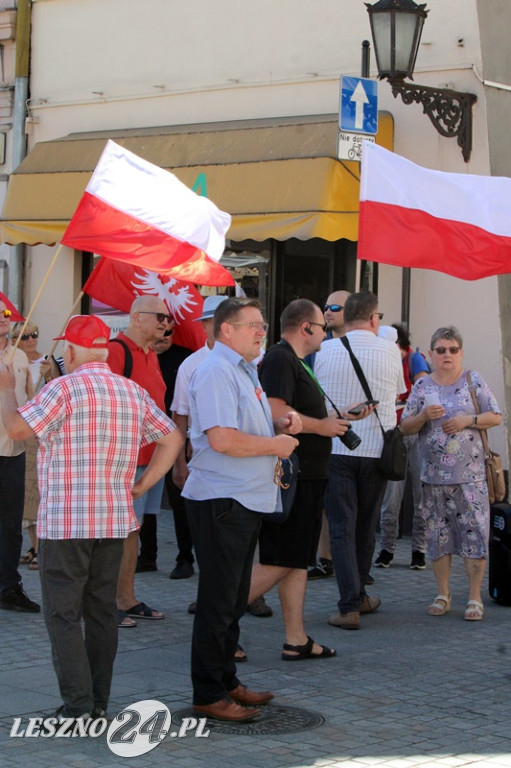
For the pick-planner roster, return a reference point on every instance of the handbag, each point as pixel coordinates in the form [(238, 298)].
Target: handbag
[(392, 463), (495, 479), (286, 477)]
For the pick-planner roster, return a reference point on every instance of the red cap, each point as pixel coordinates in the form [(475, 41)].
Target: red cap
[(86, 331)]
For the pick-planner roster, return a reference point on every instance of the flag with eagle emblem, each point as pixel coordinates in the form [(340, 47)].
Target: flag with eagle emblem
[(118, 284)]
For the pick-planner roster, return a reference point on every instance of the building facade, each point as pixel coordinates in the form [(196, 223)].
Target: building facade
[(241, 102)]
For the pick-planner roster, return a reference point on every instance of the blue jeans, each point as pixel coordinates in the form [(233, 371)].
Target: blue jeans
[(352, 504), (12, 493)]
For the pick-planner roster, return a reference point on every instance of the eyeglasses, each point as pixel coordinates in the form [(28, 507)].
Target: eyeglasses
[(160, 316), (380, 315), (6, 313), (27, 336), (332, 308), (255, 326), (443, 350), (323, 326)]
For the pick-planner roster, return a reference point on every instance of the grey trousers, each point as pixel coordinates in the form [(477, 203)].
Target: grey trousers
[(79, 584), (389, 517)]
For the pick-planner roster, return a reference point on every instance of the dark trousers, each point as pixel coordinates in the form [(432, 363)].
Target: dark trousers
[(148, 536), (225, 536), (352, 504), (181, 526), (79, 582), (12, 494)]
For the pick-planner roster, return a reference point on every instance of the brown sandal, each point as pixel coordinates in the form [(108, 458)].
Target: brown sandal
[(34, 565)]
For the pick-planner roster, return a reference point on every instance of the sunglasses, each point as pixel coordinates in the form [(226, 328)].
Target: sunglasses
[(160, 316), (332, 308), (6, 313), (443, 350), (26, 336), (323, 326)]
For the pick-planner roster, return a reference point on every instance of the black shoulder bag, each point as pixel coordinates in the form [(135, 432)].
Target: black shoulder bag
[(393, 457)]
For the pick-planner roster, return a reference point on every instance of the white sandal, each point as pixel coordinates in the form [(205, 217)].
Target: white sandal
[(440, 605), (474, 607)]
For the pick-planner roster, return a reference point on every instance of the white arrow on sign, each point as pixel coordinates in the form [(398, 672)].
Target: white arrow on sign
[(360, 98)]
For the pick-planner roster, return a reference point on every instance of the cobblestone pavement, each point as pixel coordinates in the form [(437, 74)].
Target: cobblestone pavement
[(406, 690)]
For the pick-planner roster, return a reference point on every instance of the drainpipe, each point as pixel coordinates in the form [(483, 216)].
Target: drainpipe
[(19, 140)]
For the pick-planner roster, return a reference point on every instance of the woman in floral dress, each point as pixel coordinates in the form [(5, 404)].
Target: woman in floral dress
[(455, 496)]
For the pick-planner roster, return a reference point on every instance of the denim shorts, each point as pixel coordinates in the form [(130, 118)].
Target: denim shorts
[(149, 503)]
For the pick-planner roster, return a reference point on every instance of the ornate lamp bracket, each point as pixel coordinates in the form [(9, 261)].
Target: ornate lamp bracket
[(449, 111)]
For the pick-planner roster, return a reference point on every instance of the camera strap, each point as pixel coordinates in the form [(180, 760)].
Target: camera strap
[(360, 374)]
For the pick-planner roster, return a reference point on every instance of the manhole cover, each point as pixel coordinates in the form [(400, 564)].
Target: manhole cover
[(273, 719)]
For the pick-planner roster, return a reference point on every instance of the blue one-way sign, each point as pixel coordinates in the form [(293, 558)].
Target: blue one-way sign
[(359, 105)]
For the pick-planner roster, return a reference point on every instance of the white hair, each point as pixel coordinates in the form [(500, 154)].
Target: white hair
[(86, 355)]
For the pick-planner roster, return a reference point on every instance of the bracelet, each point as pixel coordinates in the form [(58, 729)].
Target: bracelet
[(474, 423)]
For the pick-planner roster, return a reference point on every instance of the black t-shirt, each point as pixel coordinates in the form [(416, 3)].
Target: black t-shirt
[(169, 361), (283, 376)]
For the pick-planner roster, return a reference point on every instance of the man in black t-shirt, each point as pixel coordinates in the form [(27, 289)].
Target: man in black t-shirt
[(286, 550)]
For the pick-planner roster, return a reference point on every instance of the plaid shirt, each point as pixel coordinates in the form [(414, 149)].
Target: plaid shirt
[(90, 426)]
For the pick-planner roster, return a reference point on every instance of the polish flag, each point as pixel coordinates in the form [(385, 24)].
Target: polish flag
[(118, 285), (412, 216), (136, 212), (15, 317)]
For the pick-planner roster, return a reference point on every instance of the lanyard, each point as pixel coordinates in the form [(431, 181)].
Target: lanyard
[(314, 379)]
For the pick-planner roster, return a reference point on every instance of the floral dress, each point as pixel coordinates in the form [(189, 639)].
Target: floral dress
[(455, 502)]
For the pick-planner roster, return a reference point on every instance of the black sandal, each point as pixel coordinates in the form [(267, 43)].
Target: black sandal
[(302, 652), (26, 559)]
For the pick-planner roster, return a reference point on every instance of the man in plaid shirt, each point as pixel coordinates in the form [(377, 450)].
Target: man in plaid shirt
[(90, 426)]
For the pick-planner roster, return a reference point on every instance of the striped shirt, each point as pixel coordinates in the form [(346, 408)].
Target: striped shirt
[(381, 363), (90, 426)]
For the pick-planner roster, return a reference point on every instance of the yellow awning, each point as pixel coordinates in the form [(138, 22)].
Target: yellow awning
[(278, 179)]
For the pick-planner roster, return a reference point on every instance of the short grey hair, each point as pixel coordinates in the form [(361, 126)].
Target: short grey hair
[(449, 332)]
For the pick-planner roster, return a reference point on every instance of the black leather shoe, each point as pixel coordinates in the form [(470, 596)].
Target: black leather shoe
[(183, 570), (16, 599), (144, 565)]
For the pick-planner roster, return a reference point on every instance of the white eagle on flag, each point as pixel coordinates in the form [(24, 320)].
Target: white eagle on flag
[(177, 295)]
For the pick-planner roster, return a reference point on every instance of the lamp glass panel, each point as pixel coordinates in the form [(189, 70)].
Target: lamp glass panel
[(406, 42), (382, 35)]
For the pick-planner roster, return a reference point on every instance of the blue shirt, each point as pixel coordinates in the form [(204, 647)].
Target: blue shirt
[(225, 392)]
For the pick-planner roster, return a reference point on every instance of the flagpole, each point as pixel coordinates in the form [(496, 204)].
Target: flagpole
[(54, 347), (38, 295)]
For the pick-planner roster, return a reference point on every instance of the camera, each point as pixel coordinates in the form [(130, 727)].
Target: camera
[(350, 439)]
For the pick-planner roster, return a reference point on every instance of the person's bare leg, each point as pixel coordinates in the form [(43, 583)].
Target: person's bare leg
[(475, 571), (264, 577), (32, 532), (126, 583), (324, 539), (292, 599), (442, 571)]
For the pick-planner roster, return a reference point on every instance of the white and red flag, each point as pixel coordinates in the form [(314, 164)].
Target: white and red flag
[(15, 317), (118, 284), (412, 216), (135, 212)]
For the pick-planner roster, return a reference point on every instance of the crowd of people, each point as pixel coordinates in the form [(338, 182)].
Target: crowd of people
[(137, 413)]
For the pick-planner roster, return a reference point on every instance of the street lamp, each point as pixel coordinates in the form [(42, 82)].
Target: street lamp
[(396, 27)]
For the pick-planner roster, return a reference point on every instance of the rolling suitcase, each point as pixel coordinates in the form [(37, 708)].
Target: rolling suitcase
[(500, 553)]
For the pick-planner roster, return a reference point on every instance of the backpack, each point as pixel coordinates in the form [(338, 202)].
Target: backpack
[(128, 357)]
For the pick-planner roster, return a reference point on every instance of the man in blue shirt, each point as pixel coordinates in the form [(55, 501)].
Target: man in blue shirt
[(230, 486)]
